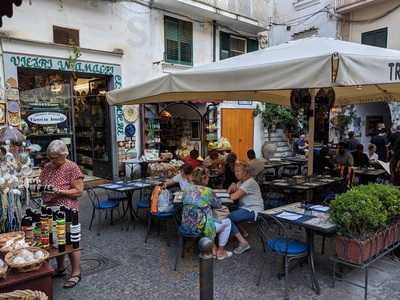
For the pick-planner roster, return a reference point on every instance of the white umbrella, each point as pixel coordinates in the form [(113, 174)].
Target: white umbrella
[(357, 73)]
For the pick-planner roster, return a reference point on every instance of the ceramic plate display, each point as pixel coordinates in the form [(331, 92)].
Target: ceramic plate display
[(13, 106), (130, 113), (14, 119), (2, 113), (130, 130)]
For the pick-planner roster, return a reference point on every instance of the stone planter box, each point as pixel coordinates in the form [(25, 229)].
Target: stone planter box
[(358, 251)]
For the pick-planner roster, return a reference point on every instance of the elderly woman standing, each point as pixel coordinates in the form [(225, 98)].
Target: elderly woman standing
[(248, 195), (67, 179)]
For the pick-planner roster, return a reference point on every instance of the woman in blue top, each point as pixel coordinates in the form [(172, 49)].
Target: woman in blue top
[(197, 214)]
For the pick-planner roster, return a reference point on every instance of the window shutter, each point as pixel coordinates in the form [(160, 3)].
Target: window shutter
[(171, 32), (65, 36), (186, 35), (376, 38), (252, 45), (224, 45)]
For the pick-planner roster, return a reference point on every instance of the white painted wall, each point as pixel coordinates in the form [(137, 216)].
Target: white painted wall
[(298, 15)]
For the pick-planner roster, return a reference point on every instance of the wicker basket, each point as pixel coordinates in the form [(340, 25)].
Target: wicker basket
[(24, 295), (4, 250), (4, 237), (26, 267)]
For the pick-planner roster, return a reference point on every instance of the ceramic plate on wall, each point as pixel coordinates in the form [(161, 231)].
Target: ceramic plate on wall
[(130, 113), (130, 130)]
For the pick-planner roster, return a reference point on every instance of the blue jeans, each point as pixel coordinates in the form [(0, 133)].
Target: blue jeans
[(238, 216)]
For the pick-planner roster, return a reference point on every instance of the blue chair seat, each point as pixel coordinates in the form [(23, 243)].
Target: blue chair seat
[(294, 247), (143, 204), (165, 215), (107, 204), (187, 232)]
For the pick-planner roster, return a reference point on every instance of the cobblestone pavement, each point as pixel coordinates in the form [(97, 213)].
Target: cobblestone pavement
[(116, 264)]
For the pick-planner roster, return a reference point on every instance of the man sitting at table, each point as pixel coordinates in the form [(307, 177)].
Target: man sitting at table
[(183, 178), (359, 157), (192, 159), (343, 156), (248, 195), (256, 165)]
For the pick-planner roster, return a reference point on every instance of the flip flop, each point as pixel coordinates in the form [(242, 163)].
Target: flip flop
[(72, 281)]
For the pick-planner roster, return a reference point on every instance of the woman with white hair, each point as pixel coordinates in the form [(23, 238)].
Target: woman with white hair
[(247, 194), (67, 179)]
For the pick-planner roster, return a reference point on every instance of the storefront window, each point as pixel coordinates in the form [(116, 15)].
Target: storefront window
[(45, 99)]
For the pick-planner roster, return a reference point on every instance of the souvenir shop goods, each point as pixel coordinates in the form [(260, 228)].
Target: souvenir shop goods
[(26, 260), (3, 268), (75, 229), (130, 113), (4, 237), (14, 244)]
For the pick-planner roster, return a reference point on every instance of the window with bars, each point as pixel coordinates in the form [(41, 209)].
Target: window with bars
[(178, 41), (232, 45)]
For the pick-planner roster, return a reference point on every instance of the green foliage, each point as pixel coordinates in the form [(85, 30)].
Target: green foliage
[(274, 114), (365, 209)]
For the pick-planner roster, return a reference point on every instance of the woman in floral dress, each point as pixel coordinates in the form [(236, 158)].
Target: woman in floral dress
[(197, 216)]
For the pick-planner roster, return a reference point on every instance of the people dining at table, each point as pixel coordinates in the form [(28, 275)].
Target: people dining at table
[(247, 194), (215, 166), (372, 156), (324, 164), (381, 142), (256, 165), (229, 171), (193, 159), (343, 156), (197, 215), (183, 178), (351, 141), (300, 145), (360, 159)]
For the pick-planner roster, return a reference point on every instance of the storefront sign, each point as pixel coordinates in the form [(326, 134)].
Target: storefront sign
[(47, 118)]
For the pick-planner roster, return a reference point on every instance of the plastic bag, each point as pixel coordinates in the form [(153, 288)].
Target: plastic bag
[(165, 201)]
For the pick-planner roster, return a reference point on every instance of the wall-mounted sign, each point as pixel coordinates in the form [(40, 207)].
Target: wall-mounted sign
[(47, 118)]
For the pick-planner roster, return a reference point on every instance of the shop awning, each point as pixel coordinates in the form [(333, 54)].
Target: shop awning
[(358, 73), (6, 8)]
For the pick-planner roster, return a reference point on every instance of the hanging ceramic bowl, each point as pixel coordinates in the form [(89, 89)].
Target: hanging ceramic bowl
[(130, 130), (130, 113)]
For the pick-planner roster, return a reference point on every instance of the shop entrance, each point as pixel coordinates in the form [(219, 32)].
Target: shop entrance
[(92, 126)]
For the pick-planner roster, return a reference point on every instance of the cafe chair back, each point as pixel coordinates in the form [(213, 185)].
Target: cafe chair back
[(276, 241), (101, 204)]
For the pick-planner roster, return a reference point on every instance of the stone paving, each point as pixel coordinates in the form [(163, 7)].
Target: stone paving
[(117, 264)]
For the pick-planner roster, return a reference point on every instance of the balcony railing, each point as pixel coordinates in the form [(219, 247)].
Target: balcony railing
[(344, 6)]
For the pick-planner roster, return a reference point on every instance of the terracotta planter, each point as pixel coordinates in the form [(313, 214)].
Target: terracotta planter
[(354, 251)]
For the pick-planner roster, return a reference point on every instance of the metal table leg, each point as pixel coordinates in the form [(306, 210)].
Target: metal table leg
[(310, 241)]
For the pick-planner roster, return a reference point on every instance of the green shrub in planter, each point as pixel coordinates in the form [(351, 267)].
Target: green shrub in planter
[(358, 213), (388, 195)]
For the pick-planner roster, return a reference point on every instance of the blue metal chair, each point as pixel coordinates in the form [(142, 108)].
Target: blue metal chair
[(275, 240), (160, 217), (101, 205), (184, 235)]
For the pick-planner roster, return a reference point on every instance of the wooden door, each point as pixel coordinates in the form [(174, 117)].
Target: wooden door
[(238, 128)]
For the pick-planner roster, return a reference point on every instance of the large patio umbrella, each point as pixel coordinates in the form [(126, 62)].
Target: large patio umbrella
[(357, 73)]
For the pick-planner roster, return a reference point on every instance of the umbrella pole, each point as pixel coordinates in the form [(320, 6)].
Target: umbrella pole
[(311, 131)]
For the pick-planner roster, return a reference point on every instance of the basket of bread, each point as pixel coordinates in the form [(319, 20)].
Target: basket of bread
[(27, 259), (3, 268), (12, 241)]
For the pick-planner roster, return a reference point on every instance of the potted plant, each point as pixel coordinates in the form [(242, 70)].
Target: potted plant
[(367, 221)]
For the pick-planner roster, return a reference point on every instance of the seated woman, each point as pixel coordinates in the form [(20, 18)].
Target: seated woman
[(248, 195), (197, 214), (192, 159), (183, 178), (372, 156), (229, 170)]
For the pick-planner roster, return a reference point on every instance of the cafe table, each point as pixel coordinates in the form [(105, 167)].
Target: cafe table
[(130, 187), (300, 184), (368, 174), (276, 165), (315, 220), (221, 194)]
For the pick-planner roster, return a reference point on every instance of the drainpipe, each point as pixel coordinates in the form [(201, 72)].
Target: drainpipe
[(214, 23)]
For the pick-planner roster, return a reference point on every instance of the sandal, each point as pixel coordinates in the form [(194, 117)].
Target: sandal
[(226, 255), (72, 281), (60, 273)]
